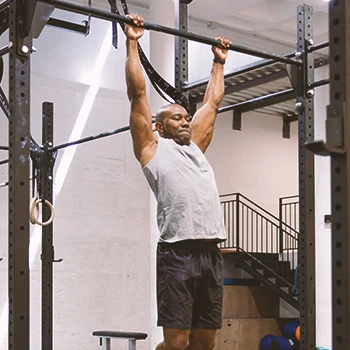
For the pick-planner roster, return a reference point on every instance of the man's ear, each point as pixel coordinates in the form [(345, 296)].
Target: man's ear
[(159, 127)]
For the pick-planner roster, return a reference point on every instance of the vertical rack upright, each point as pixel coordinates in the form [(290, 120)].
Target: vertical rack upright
[(338, 136), (19, 145), (306, 251)]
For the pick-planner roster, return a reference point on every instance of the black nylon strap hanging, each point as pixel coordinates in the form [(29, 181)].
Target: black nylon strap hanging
[(144, 61), (114, 9), (157, 81), (36, 156), (34, 167), (4, 105)]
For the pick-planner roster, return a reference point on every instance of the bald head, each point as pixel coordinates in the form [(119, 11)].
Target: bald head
[(173, 122), (165, 112)]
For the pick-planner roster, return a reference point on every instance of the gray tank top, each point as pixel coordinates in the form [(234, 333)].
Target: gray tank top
[(184, 185)]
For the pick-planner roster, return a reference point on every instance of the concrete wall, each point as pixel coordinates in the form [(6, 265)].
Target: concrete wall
[(323, 230), (256, 161), (101, 228)]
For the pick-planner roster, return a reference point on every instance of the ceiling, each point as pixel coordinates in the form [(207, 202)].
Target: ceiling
[(261, 24), (268, 25)]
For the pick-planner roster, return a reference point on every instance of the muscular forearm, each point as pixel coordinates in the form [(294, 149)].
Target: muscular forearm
[(134, 75), (215, 89)]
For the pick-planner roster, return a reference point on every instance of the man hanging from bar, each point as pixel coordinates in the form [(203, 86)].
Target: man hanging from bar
[(190, 220)]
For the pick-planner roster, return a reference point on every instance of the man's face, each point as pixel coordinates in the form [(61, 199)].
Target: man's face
[(175, 125)]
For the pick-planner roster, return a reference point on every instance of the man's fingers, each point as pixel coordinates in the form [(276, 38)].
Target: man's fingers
[(224, 42), (137, 19), (227, 43)]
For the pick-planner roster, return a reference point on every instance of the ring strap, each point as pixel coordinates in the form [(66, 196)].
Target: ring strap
[(157, 81)]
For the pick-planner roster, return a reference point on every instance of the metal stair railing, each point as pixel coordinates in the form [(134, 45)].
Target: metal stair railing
[(265, 247), (255, 230), (289, 211)]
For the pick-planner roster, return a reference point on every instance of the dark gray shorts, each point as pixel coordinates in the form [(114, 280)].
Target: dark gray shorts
[(189, 285)]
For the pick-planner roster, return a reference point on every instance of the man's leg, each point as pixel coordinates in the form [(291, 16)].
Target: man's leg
[(201, 339), (207, 309), (174, 339), (175, 290)]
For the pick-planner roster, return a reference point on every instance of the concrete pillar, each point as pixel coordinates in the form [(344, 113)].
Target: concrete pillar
[(162, 59)]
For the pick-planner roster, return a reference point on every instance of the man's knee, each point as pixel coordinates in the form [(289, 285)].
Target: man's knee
[(202, 339), (178, 343), (203, 344), (175, 339)]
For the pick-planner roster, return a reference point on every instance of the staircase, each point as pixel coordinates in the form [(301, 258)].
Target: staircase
[(249, 313), (261, 244)]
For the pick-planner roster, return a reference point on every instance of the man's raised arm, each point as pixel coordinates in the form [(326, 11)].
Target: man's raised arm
[(144, 140), (204, 119)]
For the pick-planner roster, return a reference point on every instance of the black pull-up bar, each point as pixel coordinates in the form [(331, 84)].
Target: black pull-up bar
[(85, 10), (4, 4)]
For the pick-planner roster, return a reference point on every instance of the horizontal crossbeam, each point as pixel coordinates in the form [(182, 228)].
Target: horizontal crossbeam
[(97, 13), (261, 101), (319, 83), (249, 84), (4, 4), (235, 72), (319, 46)]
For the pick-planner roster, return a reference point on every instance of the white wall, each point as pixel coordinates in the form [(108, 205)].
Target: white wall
[(256, 161), (200, 60), (323, 230), (101, 229)]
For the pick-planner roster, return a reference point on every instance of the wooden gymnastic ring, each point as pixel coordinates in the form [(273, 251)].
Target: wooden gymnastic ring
[(34, 212)]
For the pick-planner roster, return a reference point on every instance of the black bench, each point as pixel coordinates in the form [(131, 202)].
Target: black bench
[(106, 336)]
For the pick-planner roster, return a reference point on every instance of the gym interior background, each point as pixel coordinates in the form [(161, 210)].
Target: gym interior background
[(104, 227)]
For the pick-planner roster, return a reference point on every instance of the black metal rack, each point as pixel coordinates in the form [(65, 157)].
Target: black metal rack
[(19, 141), (20, 19), (337, 144), (306, 251)]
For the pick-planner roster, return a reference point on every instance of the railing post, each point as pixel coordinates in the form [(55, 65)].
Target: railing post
[(237, 220), (280, 224)]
